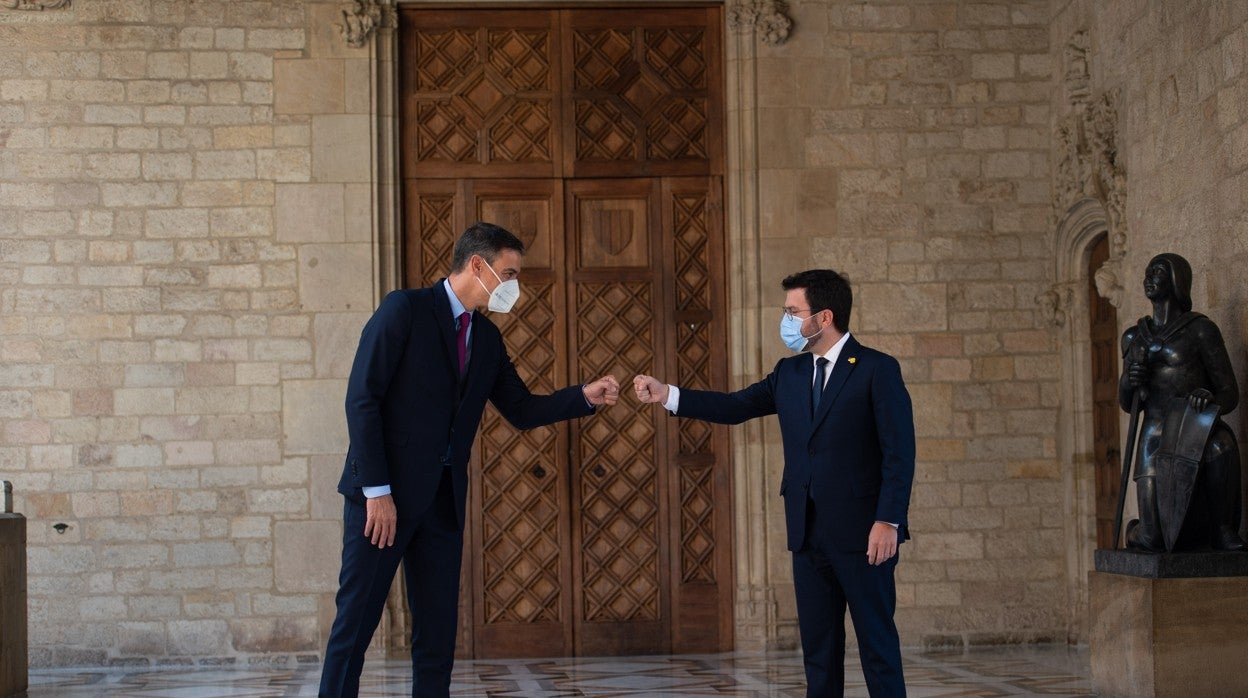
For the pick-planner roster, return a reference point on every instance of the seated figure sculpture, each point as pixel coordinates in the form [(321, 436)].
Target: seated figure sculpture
[(1176, 369)]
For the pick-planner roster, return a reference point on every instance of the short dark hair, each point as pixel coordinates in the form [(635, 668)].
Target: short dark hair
[(485, 239), (825, 290)]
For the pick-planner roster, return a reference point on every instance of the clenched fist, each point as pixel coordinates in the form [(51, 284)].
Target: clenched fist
[(649, 389), (604, 391)]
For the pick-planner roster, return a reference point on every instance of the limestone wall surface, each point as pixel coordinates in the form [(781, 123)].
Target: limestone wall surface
[(185, 263), (907, 144), (187, 254)]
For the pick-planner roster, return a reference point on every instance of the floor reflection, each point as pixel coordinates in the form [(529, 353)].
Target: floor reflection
[(1015, 671)]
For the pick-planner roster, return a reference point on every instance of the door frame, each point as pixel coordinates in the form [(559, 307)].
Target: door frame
[(1078, 229), (755, 454)]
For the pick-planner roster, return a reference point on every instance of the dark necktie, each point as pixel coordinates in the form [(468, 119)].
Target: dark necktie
[(461, 340), (816, 389)]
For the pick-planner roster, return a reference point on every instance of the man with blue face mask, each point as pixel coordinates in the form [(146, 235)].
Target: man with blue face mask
[(428, 361), (848, 432)]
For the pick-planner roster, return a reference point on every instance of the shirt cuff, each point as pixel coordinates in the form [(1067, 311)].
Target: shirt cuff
[(890, 523), (376, 491), (673, 399)]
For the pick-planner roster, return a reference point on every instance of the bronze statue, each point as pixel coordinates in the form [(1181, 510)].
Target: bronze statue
[(1177, 373)]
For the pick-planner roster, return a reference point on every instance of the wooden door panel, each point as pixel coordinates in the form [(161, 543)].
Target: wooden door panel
[(622, 600), (434, 208), (693, 264), (1103, 345), (610, 534), (642, 92), (522, 574), (478, 93)]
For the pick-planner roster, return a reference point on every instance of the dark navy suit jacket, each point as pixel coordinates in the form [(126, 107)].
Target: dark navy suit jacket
[(854, 458), (410, 414)]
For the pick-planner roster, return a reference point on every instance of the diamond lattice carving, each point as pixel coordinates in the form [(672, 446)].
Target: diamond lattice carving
[(603, 132), (697, 525), (677, 130), (443, 58), (442, 135), (521, 57), (658, 106), (642, 91), (529, 331), (619, 523), (599, 56), (480, 95), (437, 239), (690, 234), (495, 91), (678, 55), (523, 133), (693, 368), (520, 483)]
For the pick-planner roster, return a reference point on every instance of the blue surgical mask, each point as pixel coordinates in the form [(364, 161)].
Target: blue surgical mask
[(791, 333)]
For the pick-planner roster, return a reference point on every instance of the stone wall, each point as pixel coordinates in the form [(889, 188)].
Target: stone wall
[(187, 253), (185, 262), (1179, 68), (1175, 72), (906, 144)]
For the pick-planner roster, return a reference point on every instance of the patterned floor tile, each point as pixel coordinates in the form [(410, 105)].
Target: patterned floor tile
[(1025, 671)]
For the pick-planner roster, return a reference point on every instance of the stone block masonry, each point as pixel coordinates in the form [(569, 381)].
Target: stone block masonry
[(153, 311)]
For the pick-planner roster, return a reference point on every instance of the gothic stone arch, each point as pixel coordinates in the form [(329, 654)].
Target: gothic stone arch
[(1089, 201), (1066, 305)]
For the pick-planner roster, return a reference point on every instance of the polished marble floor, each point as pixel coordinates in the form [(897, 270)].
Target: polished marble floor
[(1013, 671)]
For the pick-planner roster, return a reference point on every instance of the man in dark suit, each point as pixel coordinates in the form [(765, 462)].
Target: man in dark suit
[(848, 432), (427, 362)]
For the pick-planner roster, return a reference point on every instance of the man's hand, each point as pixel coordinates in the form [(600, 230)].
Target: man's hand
[(604, 391), (381, 520), (649, 389), (881, 543)]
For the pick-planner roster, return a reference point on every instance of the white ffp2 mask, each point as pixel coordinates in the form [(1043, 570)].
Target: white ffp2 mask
[(504, 295)]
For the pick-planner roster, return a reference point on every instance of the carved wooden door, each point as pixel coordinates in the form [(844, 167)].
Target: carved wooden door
[(594, 136), (1107, 452)]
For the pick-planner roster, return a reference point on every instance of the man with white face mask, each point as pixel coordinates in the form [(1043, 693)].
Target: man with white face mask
[(428, 361), (848, 431)]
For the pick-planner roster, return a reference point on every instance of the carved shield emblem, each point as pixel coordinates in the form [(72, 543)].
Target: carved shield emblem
[(614, 229)]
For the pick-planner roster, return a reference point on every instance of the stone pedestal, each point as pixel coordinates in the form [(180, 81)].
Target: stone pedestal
[(1169, 624), (13, 647)]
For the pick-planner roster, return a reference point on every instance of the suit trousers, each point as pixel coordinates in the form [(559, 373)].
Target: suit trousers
[(826, 580), (430, 547)]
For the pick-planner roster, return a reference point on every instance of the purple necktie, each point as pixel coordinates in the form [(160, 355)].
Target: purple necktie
[(461, 340)]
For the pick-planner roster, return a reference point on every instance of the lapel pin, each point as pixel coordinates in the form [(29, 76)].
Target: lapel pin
[(853, 359)]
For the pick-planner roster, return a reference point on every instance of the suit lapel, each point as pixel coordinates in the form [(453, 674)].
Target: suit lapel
[(845, 364)]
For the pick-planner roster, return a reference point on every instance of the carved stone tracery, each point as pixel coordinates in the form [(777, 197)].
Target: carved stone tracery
[(360, 18), (1087, 165), (767, 17), (34, 4), (1055, 303)]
